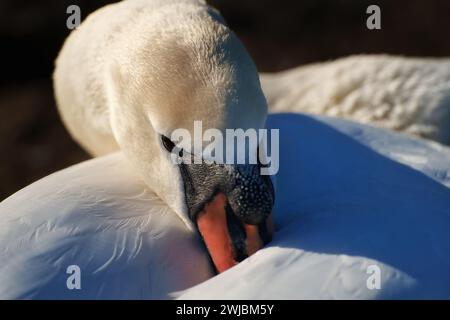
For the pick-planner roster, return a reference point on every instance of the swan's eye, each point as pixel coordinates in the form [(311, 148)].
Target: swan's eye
[(167, 143)]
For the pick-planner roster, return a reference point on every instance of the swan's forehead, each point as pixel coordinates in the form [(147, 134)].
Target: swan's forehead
[(209, 113), (186, 102), (216, 84)]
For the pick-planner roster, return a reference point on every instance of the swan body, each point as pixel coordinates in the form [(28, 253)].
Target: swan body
[(359, 197), (100, 217), (350, 196), (411, 95)]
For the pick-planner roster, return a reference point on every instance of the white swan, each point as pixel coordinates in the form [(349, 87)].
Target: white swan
[(411, 95), (343, 204), (346, 205), (136, 71), (100, 217)]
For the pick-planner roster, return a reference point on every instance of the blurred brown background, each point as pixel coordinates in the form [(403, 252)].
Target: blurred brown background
[(278, 34)]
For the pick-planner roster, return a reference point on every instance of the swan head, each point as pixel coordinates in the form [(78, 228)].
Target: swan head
[(197, 71)]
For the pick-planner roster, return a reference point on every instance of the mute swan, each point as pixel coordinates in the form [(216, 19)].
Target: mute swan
[(99, 217), (343, 198), (136, 71), (347, 207), (411, 95)]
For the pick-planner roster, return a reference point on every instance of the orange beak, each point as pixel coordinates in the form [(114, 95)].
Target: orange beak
[(228, 239)]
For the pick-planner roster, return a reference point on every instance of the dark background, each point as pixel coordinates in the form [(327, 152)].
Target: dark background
[(278, 34)]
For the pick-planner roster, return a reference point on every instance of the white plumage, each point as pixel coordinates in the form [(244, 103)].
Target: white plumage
[(99, 216), (410, 95), (139, 69), (348, 195), (344, 202)]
